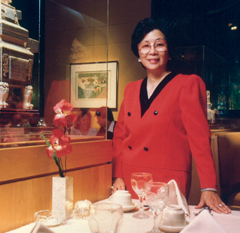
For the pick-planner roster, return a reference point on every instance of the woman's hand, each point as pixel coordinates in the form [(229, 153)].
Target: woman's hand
[(212, 200), (118, 184)]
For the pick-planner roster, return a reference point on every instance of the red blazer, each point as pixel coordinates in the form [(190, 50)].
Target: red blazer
[(164, 138)]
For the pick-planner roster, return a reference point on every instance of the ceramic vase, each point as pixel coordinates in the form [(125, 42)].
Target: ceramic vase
[(62, 197)]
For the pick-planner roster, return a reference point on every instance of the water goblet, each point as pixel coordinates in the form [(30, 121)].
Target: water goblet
[(137, 182), (105, 218), (156, 195)]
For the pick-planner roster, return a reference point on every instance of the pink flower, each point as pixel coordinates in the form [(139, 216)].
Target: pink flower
[(60, 143), (63, 107), (63, 113)]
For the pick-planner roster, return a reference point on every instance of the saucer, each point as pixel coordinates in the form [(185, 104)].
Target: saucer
[(51, 223), (45, 217), (171, 229), (129, 208)]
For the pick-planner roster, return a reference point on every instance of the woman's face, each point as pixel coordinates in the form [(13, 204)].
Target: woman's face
[(84, 123), (153, 51), (78, 51)]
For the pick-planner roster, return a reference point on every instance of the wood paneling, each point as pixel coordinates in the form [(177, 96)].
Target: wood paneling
[(26, 179), (18, 163)]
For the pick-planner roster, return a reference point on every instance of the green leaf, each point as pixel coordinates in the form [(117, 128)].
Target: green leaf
[(56, 159), (47, 142)]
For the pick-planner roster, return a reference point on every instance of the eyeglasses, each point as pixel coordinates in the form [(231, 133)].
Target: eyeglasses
[(159, 45)]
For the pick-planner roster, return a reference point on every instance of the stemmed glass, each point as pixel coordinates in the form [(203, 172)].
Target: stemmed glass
[(137, 181), (156, 195)]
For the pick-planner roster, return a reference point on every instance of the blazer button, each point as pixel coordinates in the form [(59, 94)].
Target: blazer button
[(129, 114), (145, 148), (155, 112), (130, 147)]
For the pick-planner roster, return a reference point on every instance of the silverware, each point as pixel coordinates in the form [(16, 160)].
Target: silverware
[(205, 208)]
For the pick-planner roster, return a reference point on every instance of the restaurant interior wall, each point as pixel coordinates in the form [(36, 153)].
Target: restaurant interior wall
[(68, 22), (104, 28), (114, 43)]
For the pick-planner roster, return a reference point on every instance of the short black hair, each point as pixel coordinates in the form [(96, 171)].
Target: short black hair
[(144, 27), (102, 111)]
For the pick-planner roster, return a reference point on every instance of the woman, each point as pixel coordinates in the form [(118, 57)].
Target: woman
[(83, 125), (162, 121)]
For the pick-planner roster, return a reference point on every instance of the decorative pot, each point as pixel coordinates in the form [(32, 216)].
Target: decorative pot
[(62, 197)]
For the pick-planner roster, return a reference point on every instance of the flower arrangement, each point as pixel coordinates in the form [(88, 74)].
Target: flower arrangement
[(59, 144)]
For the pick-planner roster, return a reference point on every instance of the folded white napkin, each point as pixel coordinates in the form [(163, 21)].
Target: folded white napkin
[(176, 197), (204, 222), (41, 228)]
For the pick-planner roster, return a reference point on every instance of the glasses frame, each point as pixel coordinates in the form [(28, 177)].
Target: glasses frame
[(142, 46)]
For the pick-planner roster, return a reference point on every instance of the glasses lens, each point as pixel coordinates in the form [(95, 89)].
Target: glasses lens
[(159, 45), (144, 47)]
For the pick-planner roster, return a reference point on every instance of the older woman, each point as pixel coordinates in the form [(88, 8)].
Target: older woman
[(162, 122)]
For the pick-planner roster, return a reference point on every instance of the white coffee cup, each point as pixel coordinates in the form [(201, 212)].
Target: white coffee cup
[(174, 216), (122, 197)]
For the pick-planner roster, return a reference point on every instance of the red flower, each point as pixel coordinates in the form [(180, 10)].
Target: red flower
[(63, 107), (60, 143), (63, 114)]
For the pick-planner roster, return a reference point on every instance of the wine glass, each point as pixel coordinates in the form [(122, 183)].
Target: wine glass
[(137, 181), (156, 195)]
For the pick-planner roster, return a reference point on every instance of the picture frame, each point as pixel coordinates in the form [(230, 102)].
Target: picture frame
[(94, 85)]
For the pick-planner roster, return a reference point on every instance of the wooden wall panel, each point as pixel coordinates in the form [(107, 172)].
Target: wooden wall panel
[(26, 179), (20, 200), (23, 162)]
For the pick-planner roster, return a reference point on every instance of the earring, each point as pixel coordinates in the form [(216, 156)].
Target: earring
[(169, 58), (139, 59)]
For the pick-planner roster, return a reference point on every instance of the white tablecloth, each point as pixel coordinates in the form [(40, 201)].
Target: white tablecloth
[(230, 222)]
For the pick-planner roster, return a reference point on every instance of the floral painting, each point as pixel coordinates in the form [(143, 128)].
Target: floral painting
[(94, 85), (91, 84)]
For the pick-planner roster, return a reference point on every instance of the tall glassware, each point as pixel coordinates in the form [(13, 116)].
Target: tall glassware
[(137, 182), (105, 218), (156, 195)]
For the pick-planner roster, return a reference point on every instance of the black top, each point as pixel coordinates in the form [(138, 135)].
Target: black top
[(144, 101)]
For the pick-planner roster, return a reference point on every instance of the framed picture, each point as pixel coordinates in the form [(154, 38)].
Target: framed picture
[(94, 85)]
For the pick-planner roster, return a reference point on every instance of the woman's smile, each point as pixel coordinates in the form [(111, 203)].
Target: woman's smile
[(153, 60)]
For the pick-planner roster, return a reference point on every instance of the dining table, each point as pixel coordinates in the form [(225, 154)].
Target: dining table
[(229, 222)]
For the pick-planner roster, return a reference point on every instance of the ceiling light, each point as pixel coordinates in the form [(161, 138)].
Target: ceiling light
[(234, 28)]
